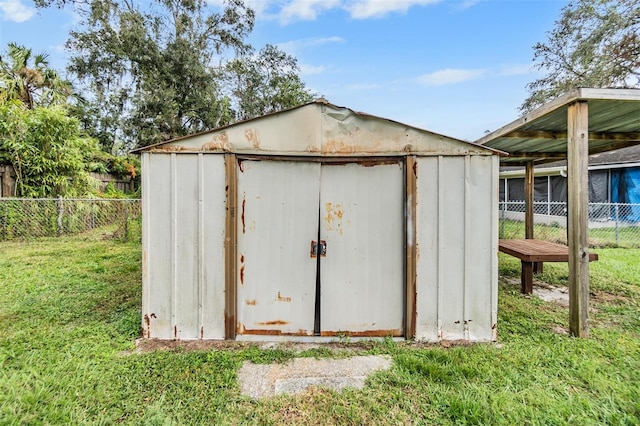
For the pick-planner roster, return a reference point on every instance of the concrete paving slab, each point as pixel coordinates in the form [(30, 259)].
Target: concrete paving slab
[(260, 381)]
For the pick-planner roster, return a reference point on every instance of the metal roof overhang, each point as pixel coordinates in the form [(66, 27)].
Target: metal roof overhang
[(593, 120), (541, 135)]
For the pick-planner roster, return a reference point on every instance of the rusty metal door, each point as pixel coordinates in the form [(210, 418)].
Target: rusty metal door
[(320, 248), (362, 273), (278, 203)]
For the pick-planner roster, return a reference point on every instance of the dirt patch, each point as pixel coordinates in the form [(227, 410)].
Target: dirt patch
[(544, 291), (150, 345), (300, 374), (560, 330), (548, 293), (605, 297), (355, 348)]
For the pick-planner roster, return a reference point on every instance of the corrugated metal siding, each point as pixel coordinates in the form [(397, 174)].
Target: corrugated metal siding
[(183, 260), (482, 255), (457, 246), (362, 275), (359, 210), (278, 220)]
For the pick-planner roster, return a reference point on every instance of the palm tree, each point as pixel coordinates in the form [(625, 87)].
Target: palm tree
[(29, 79)]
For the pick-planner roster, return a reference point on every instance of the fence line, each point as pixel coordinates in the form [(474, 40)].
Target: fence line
[(28, 218), (610, 224)]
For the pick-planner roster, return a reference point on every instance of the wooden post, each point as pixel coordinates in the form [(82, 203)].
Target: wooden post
[(526, 278), (231, 164), (528, 201), (411, 274), (578, 199)]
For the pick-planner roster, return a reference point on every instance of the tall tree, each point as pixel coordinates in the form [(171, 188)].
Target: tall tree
[(265, 83), (595, 43), (150, 68), (29, 79)]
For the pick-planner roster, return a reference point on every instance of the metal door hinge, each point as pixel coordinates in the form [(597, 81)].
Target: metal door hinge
[(322, 248)]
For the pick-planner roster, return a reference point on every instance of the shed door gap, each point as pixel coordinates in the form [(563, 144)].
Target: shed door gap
[(316, 321)]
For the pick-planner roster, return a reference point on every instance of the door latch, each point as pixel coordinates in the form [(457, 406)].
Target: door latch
[(320, 249)]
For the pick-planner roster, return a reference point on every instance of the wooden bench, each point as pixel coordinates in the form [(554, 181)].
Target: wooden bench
[(532, 254)]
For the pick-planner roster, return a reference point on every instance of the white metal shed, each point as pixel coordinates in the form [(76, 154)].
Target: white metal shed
[(316, 223)]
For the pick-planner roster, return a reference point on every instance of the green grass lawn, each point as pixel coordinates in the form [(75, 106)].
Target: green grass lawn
[(70, 311)]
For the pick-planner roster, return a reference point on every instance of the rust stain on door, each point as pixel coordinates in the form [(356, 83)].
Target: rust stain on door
[(283, 299), (242, 269), (274, 322), (244, 202), (333, 217)]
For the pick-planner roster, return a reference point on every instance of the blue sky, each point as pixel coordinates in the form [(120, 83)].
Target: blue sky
[(457, 67)]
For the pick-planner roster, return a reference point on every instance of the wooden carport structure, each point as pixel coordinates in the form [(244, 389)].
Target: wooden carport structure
[(573, 126)]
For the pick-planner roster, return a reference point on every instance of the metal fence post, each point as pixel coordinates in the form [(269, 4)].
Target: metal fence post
[(504, 205), (617, 212), (126, 221), (92, 214), (60, 213), (6, 219)]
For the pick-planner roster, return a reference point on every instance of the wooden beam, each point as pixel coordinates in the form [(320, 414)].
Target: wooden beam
[(412, 252), (536, 134), (230, 242), (611, 146), (594, 136), (521, 158), (528, 200), (578, 193), (537, 155)]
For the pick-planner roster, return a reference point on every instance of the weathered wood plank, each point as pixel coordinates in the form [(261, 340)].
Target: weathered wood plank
[(593, 136), (528, 200), (411, 169), (526, 279), (231, 239), (578, 190), (538, 251)]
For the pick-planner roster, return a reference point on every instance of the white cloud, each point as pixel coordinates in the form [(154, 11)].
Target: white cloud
[(516, 70), (449, 76), (294, 46), (306, 69), (14, 10), (260, 7), (288, 11), (364, 9), (305, 10)]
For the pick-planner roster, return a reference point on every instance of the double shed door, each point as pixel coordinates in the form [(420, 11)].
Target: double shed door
[(352, 283)]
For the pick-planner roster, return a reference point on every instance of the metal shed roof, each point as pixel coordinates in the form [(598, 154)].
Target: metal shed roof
[(321, 129), (541, 136)]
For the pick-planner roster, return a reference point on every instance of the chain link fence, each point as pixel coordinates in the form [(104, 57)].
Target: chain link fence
[(610, 224), (30, 218)]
